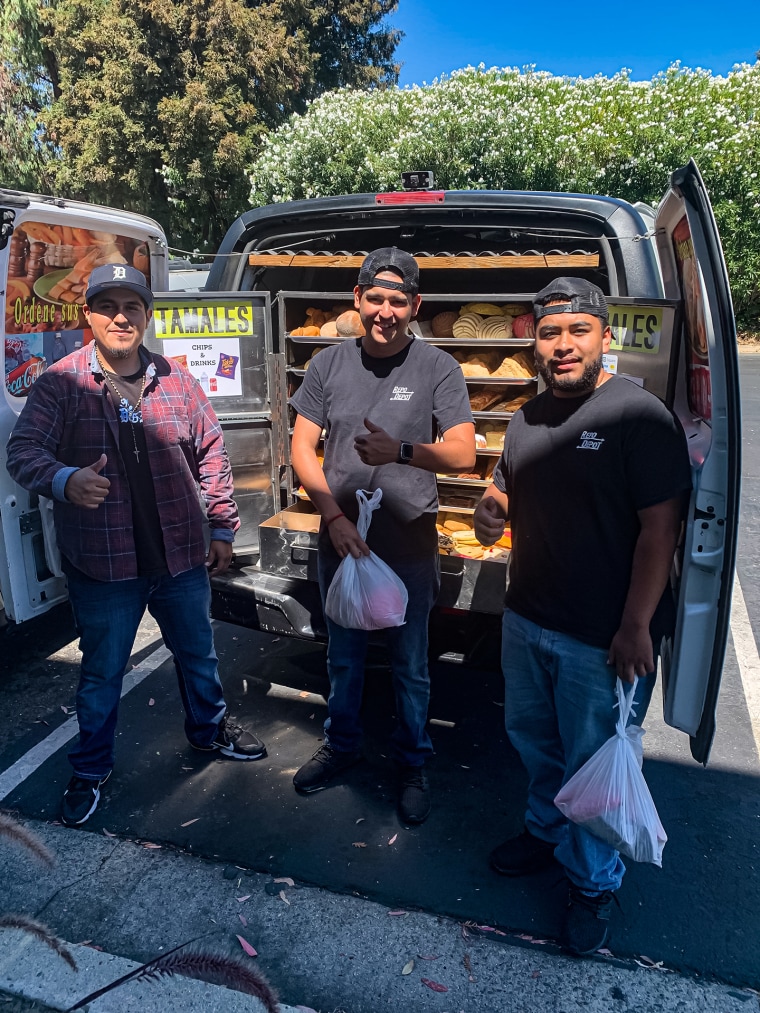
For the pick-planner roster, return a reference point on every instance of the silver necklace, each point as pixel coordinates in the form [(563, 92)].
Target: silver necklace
[(127, 412)]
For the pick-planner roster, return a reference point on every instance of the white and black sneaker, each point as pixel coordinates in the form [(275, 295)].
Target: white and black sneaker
[(235, 742), (80, 800)]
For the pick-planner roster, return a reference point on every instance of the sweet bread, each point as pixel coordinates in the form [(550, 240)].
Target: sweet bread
[(467, 325), (483, 309), (442, 324), (328, 329), (496, 327), (349, 325)]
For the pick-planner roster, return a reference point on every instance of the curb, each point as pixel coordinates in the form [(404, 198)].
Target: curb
[(30, 970)]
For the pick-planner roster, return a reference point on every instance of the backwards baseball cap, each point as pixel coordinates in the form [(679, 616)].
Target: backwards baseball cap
[(390, 258), (109, 276), (570, 295)]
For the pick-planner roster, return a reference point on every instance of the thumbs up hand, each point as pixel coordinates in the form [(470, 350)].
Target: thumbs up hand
[(87, 487), (376, 446)]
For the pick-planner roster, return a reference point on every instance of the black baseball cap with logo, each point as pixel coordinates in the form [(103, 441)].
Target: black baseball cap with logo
[(390, 258), (570, 295), (109, 276)]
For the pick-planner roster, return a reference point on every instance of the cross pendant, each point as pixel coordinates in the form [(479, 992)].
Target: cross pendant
[(137, 455)]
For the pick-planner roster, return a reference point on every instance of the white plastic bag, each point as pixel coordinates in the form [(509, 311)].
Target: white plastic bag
[(365, 593), (609, 797)]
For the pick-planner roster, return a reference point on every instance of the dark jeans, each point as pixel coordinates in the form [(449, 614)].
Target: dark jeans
[(407, 647), (107, 615)]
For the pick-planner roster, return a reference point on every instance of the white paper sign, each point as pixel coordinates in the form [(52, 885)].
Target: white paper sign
[(214, 362)]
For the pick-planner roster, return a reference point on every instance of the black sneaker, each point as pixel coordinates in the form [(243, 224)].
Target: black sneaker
[(413, 795), (522, 855), (235, 743), (80, 800), (324, 765), (587, 921)]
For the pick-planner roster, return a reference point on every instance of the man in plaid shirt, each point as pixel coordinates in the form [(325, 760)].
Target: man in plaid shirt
[(130, 450)]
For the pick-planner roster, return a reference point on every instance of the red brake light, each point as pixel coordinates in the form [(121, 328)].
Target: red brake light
[(411, 197)]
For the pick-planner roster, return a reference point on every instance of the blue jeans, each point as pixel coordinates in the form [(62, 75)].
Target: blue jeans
[(107, 615), (407, 647), (559, 701)]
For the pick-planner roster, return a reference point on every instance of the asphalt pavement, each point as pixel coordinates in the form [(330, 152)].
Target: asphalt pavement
[(181, 848)]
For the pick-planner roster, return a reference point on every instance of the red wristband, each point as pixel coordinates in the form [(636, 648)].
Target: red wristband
[(328, 523)]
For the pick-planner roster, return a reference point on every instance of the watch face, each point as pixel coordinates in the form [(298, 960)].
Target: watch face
[(407, 451)]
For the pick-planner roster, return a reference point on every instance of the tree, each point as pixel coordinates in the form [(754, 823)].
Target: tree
[(23, 93), (160, 105)]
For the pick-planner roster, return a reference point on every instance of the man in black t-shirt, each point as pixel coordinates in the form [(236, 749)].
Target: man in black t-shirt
[(593, 480), (381, 400)]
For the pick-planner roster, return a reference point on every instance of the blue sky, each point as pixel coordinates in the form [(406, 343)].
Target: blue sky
[(582, 38)]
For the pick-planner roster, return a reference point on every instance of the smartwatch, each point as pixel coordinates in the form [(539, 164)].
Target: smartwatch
[(405, 453)]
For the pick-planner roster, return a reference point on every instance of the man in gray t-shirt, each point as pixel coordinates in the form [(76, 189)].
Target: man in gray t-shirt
[(382, 400)]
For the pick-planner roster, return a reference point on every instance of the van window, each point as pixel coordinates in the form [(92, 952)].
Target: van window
[(48, 269)]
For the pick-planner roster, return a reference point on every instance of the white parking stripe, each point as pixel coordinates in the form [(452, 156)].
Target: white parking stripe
[(36, 756), (745, 646)]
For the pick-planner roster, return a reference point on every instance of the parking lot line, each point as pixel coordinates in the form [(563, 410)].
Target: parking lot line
[(26, 765), (747, 657)]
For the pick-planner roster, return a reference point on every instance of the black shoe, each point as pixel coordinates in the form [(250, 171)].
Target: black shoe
[(413, 795), (522, 855), (80, 800), (587, 921), (324, 765), (235, 742)]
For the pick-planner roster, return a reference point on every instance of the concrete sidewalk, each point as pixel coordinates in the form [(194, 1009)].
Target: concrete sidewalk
[(327, 952)]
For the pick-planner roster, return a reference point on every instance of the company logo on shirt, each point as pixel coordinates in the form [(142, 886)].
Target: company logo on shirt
[(590, 441), (402, 394)]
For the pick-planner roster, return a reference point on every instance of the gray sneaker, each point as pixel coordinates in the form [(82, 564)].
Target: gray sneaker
[(324, 765)]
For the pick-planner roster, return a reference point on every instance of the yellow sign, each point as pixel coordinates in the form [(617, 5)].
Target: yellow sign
[(203, 319), (635, 328)]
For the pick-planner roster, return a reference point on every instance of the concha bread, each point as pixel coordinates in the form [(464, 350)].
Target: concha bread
[(349, 325), (496, 327), (524, 326), (467, 325), (519, 366), (442, 324), (515, 309), (483, 309), (329, 330)]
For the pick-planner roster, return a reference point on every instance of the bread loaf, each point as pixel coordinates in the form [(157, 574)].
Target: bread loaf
[(483, 309), (329, 330), (467, 325), (442, 324), (349, 325), (496, 327)]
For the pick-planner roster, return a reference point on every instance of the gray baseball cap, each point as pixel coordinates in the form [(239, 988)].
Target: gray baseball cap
[(577, 294), (390, 258), (109, 276)]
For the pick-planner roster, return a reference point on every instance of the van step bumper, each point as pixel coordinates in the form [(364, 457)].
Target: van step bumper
[(262, 601)]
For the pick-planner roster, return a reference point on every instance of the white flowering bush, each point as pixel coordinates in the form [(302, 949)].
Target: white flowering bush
[(528, 130)]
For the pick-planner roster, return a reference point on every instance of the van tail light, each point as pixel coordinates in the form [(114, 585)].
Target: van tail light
[(414, 197)]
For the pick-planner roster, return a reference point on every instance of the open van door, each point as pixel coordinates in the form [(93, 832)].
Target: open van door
[(705, 396)]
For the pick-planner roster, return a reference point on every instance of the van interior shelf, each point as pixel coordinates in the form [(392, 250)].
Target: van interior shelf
[(502, 262)]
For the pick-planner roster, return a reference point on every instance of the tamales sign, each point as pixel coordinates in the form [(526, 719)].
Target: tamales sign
[(204, 337)]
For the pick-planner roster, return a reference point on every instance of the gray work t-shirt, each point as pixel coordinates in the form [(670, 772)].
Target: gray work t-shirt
[(413, 396)]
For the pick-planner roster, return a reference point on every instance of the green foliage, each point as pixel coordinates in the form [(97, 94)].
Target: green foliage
[(160, 105), (23, 93), (528, 130)]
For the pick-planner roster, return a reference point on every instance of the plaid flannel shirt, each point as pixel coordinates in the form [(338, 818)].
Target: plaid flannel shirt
[(69, 421)]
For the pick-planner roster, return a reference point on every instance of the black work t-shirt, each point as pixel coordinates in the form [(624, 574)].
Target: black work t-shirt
[(576, 471), (411, 395)]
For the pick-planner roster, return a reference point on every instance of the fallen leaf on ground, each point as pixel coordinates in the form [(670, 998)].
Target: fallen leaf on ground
[(282, 897), (360, 820), (358, 844), (393, 914), (490, 928), (536, 974), (408, 967), (393, 839), (430, 957), (151, 702), (108, 833), (241, 899), (247, 947), (243, 919), (466, 962), (149, 845), (186, 768), (285, 879), (434, 985), (605, 952), (190, 822), (64, 709)]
